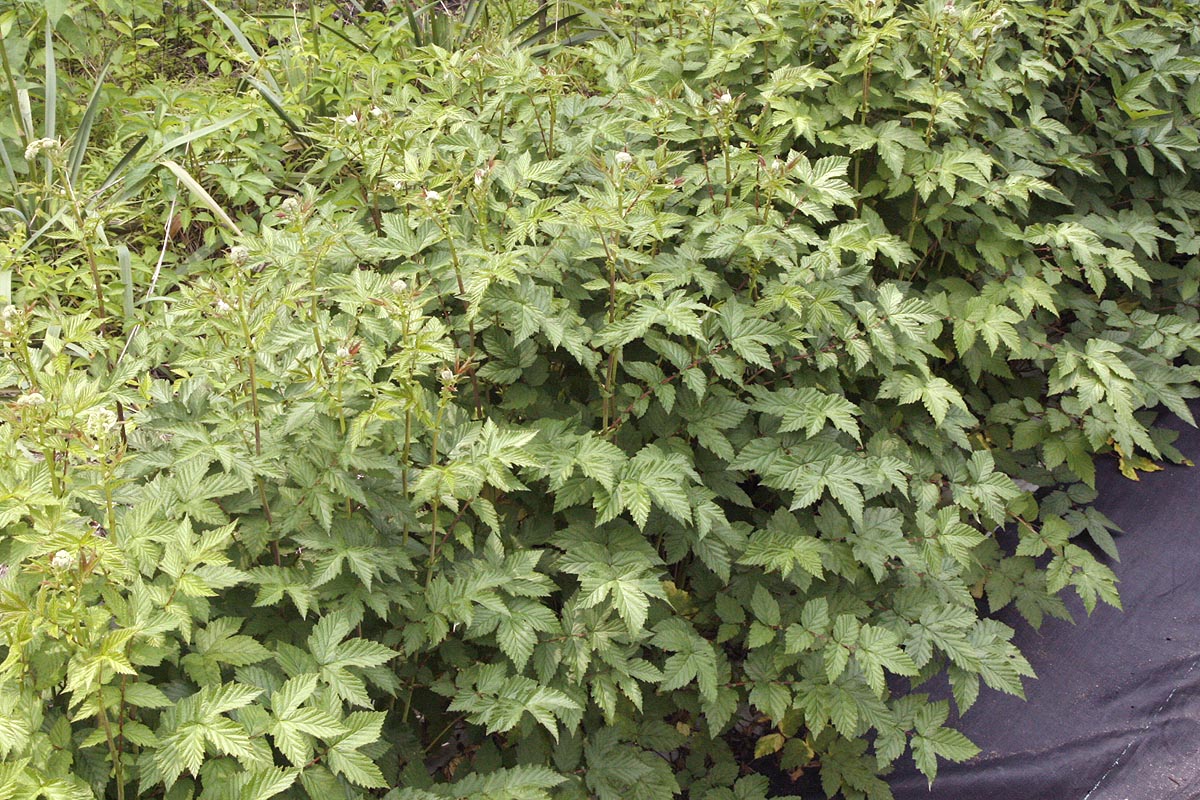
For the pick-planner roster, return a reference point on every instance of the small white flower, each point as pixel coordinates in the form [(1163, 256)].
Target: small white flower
[(289, 206), (446, 375), (239, 254), (39, 146), (31, 399), (352, 119), (725, 99), (223, 307), (343, 352), (480, 174), (98, 421), (431, 196), (399, 286), (62, 560), (776, 165), (376, 111), (623, 158)]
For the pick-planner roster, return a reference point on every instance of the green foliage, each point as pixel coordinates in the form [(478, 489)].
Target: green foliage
[(386, 418)]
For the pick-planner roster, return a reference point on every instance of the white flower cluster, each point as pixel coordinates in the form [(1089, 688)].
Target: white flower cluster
[(239, 254), (623, 158), (8, 318), (31, 400), (62, 560), (98, 421), (289, 207), (39, 146)]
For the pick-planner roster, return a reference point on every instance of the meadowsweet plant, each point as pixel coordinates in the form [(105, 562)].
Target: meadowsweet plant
[(657, 416)]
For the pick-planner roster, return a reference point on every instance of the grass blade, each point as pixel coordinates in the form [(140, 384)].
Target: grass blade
[(579, 38), (471, 17), (241, 39), (51, 82), (115, 174), (84, 133), (26, 113), (548, 29), (277, 106), (125, 270), (530, 20), (198, 133), (11, 174), (413, 23), (362, 48), (202, 195)]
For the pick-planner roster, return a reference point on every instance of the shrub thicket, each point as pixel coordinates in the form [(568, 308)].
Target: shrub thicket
[(608, 420)]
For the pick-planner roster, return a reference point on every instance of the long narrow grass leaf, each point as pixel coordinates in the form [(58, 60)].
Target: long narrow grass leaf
[(198, 133), (11, 174), (26, 113), (84, 132), (277, 106), (50, 223), (362, 48), (51, 83), (593, 17), (471, 17), (242, 41), (529, 21), (115, 173), (125, 272), (202, 195), (553, 27), (579, 38), (414, 24)]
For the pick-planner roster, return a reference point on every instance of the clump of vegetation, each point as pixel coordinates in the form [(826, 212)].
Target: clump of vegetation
[(617, 403)]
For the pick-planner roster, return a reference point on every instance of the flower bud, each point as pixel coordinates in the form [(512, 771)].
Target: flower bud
[(431, 196), (446, 375), (62, 560), (239, 254), (623, 158)]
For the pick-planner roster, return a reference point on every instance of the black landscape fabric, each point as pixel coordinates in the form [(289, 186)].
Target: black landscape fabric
[(1115, 711)]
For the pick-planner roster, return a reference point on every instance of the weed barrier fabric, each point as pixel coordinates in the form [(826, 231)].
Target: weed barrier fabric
[(1114, 713)]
